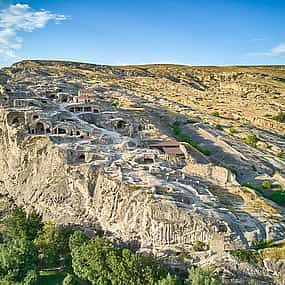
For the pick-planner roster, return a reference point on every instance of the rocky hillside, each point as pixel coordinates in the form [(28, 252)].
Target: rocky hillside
[(160, 157)]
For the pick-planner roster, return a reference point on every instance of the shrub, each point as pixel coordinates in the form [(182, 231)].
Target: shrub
[(232, 130), (215, 114), (266, 184), (261, 244), (52, 243), (278, 196), (251, 140), (231, 169), (182, 255), (252, 186), (199, 276), (280, 117), (199, 246), (246, 255), (115, 103), (280, 154), (219, 127)]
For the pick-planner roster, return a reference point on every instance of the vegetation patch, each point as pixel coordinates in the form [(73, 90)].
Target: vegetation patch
[(200, 246), (261, 244), (280, 154), (275, 195), (231, 169), (35, 253), (232, 130), (251, 140), (274, 252), (183, 137), (219, 127), (280, 117), (215, 114), (246, 255)]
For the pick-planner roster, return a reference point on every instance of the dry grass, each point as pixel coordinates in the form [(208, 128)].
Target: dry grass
[(277, 252)]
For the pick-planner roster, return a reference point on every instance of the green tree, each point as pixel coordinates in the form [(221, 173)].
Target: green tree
[(169, 280), (100, 263), (17, 258), (77, 239), (52, 243), (199, 276), (22, 225)]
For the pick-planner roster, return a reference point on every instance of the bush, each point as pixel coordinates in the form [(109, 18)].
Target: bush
[(215, 114), (261, 244), (246, 255), (232, 130), (115, 103), (280, 117), (280, 154), (278, 196), (199, 276), (231, 169), (219, 127), (251, 140), (252, 186), (199, 246), (266, 184)]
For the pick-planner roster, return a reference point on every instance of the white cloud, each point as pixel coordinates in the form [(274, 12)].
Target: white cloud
[(278, 50), (21, 17)]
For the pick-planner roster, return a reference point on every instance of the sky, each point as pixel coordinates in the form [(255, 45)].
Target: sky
[(119, 32)]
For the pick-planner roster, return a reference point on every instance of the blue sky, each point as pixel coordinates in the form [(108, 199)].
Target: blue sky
[(195, 32)]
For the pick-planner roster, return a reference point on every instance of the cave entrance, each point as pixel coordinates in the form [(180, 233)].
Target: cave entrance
[(121, 124), (40, 129)]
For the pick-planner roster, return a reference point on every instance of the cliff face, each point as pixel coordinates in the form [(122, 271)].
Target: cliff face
[(37, 174)]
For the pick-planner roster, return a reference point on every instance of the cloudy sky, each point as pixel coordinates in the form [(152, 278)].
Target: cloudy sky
[(204, 32)]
